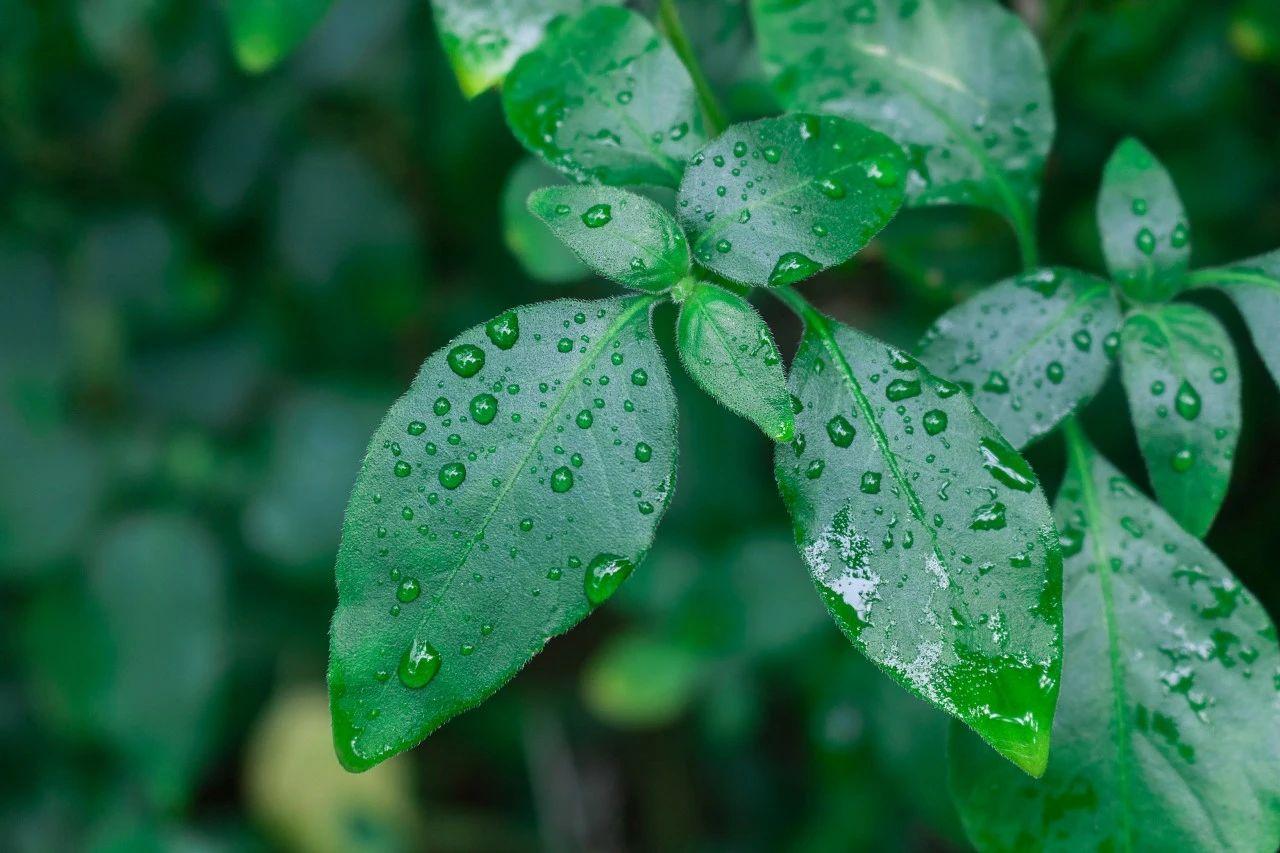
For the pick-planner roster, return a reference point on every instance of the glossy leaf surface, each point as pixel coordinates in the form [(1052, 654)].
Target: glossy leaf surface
[(728, 349), (960, 83), (927, 536), (605, 99), (776, 200), (1254, 286), (1029, 350), (1167, 735), (1183, 385), (624, 237), (513, 488), (263, 32), (539, 251), (1144, 229), (483, 40)]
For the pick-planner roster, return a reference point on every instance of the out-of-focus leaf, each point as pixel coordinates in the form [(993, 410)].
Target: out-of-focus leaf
[(927, 536), (1254, 286), (209, 382), (774, 201), (263, 32), (622, 236), (1167, 735), (233, 153), (636, 681), (1143, 226), (606, 99), (960, 83), (542, 256), (1183, 384), (506, 495), (1029, 350)]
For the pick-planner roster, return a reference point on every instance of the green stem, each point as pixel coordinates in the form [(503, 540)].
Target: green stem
[(1074, 436), (669, 20), (800, 306), (1211, 277), (1025, 231)]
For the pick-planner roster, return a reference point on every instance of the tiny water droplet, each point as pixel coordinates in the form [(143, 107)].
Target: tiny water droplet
[(402, 468)]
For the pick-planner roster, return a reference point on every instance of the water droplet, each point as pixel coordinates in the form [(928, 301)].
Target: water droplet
[(441, 406), (724, 247), (526, 524), (840, 431), (1145, 241), (815, 469), (988, 517), (870, 483), (1083, 340), (624, 97), (771, 154), (791, 268), (408, 590), (452, 475), (419, 665), (935, 421), (1006, 465), (484, 408), (584, 419), (884, 172), (466, 360), (503, 330), (902, 389), (1055, 372), (643, 452), (1070, 540), (996, 383), (1180, 236), (831, 187), (597, 216), (402, 468), (1139, 207), (1187, 402), (416, 428), (1182, 460), (605, 574), (561, 480), (639, 377), (1218, 375)]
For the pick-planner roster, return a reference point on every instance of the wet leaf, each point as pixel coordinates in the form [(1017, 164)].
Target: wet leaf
[(606, 100), (777, 200), (959, 83), (263, 32), (514, 487), (1254, 286), (624, 237), (1029, 349), (728, 349), (483, 40), (1183, 384), (927, 535), (541, 255), (1166, 735), (1144, 229)]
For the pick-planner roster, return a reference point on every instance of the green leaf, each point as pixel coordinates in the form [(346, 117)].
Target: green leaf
[(1029, 350), (927, 535), (774, 201), (637, 682), (960, 83), (1254, 286), (263, 32), (512, 489), (483, 40), (1183, 384), (728, 349), (540, 254), (622, 236), (1166, 735), (1144, 229), (606, 100)]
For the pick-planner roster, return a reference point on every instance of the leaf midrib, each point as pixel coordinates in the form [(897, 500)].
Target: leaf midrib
[(569, 388), (1072, 309)]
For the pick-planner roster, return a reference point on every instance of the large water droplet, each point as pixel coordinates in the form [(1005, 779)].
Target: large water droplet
[(419, 665), (453, 475), (988, 517), (605, 574), (466, 360), (484, 408), (561, 480), (1006, 465), (791, 268), (597, 215), (408, 590), (1187, 403), (935, 421), (840, 431), (902, 389), (503, 330), (402, 468)]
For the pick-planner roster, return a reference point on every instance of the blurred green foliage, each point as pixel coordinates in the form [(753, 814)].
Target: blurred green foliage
[(219, 264)]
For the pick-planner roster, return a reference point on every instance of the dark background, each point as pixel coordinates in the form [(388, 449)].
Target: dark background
[(211, 286)]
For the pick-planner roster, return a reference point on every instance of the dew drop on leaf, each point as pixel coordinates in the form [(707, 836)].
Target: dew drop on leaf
[(791, 268), (597, 216), (419, 665), (561, 480), (605, 574), (466, 360)]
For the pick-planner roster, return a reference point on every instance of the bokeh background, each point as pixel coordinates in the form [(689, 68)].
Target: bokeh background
[(213, 282)]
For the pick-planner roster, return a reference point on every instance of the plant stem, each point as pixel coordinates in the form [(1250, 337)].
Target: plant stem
[(669, 20), (800, 306), (1024, 231)]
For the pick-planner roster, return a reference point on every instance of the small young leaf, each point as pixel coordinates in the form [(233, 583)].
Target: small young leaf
[(927, 535), (510, 491), (263, 32), (483, 40), (774, 201), (606, 100), (1029, 349), (1183, 384), (728, 349), (1144, 229), (624, 237), (1166, 734), (540, 253), (1254, 286), (960, 83)]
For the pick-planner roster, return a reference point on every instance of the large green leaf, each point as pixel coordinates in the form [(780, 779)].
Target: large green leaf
[(483, 40), (622, 236), (927, 536), (606, 100), (776, 200), (728, 349), (1029, 349), (1254, 286), (1144, 229), (511, 490), (1183, 384), (1167, 735), (540, 253), (263, 32), (960, 83)]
